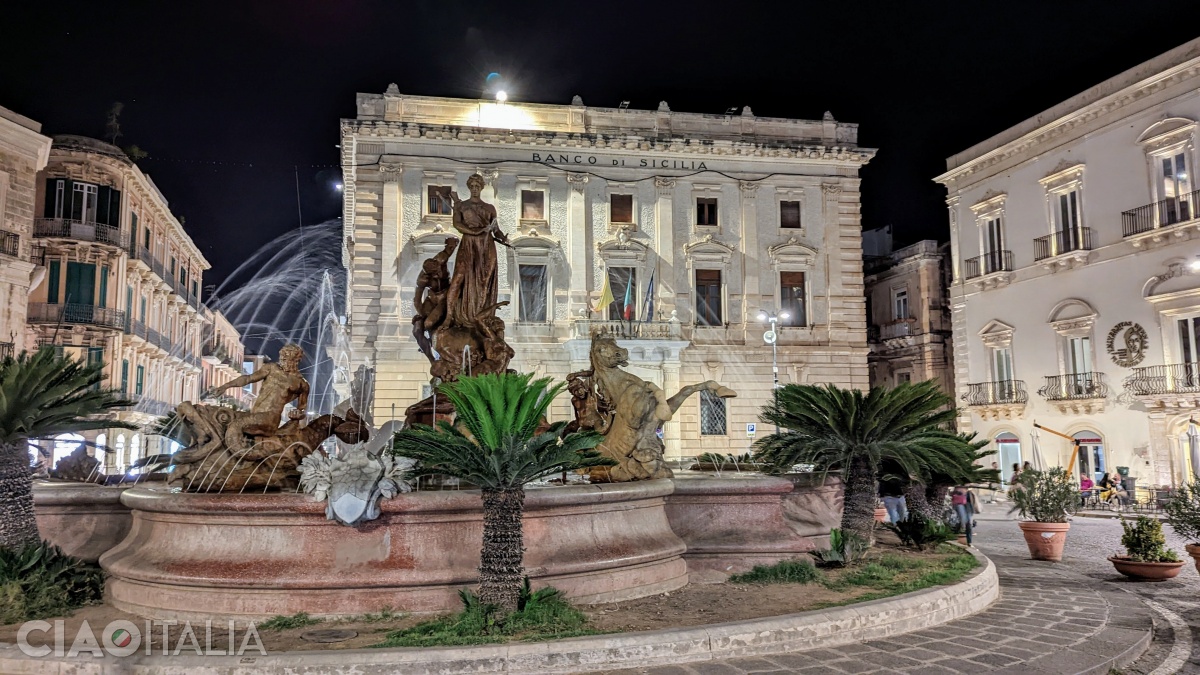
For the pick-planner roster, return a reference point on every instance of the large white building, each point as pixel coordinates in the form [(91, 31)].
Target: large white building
[(23, 152), (1076, 292), (702, 221)]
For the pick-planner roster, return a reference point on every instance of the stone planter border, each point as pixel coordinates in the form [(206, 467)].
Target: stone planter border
[(790, 633)]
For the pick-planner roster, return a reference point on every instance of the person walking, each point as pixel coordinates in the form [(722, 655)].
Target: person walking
[(891, 489), (965, 507)]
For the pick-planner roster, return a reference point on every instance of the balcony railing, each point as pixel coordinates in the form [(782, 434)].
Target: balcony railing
[(6, 350), (629, 330), (897, 328), (10, 244), (1063, 241), (43, 312), (991, 393), (1174, 378), (66, 228), (1160, 214), (37, 255), (1074, 387), (988, 263)]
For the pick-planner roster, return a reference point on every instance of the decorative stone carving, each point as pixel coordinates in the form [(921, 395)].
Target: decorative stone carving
[(78, 466), (628, 411), (577, 181), (1135, 341), (352, 485), (576, 100), (390, 173), (749, 188), (664, 185)]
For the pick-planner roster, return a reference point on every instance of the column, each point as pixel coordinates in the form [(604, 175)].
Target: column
[(673, 440), (389, 254), (752, 258), (577, 248), (664, 244)]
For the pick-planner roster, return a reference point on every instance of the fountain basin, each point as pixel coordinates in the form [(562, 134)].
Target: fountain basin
[(814, 506), (732, 522), (228, 556), (82, 519)]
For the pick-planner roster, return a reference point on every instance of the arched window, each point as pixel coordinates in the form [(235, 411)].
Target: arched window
[(1092, 460), (135, 450), (120, 454), (64, 445), (101, 442), (34, 450), (1008, 447)]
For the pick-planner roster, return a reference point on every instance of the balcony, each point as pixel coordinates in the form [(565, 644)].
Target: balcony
[(37, 255), (1064, 247), (42, 312), (992, 269), (1004, 399), (1076, 393), (1147, 222), (65, 228), (6, 350), (1175, 385), (10, 244), (628, 330)]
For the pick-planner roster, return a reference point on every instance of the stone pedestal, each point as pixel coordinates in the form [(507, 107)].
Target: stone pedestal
[(82, 519), (735, 521), (220, 556)]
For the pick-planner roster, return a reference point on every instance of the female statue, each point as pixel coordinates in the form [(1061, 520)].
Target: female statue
[(473, 286)]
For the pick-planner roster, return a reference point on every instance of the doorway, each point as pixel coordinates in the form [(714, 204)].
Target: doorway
[(1009, 449), (1092, 461)]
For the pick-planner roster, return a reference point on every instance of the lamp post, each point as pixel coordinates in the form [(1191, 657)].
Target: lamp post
[(772, 338)]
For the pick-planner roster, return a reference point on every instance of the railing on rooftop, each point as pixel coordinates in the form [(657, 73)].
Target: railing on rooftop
[(71, 313), (1074, 387), (67, 228), (1063, 241), (1160, 214), (999, 392), (988, 263)]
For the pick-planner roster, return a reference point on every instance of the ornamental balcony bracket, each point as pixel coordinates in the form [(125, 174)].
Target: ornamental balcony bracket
[(1001, 400)]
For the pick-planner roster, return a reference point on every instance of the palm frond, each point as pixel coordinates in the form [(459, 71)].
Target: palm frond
[(44, 395)]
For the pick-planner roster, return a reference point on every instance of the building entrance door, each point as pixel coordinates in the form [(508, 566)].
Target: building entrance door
[(1092, 462), (1009, 447)]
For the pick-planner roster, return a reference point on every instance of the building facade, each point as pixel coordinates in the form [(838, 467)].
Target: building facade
[(1076, 292), (908, 315), (121, 286), (697, 222), (23, 152), (224, 358)]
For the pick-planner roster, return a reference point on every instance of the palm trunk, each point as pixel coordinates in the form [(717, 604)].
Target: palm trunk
[(935, 494), (18, 527), (914, 497), (500, 561), (858, 512)]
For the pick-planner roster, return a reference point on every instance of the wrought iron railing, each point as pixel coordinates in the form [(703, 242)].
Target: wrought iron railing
[(897, 328), (1074, 386), (1063, 241), (6, 350), (1174, 378), (66, 228), (629, 330), (37, 255), (1164, 213), (988, 263), (10, 243), (990, 393), (43, 312)]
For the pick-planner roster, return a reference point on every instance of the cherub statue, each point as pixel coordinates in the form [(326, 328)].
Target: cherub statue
[(429, 301)]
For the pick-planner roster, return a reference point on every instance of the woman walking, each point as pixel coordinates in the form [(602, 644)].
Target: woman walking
[(965, 507)]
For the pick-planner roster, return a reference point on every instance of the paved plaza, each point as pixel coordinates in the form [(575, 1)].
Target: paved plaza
[(1051, 618)]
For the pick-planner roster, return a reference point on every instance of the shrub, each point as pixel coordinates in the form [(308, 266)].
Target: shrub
[(1044, 496), (844, 549), (1183, 512), (920, 532), (40, 581), (1144, 541), (783, 572), (280, 622)]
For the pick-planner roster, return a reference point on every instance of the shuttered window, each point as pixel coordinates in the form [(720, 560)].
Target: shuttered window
[(52, 282)]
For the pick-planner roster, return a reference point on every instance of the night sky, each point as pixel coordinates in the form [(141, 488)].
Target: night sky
[(229, 97)]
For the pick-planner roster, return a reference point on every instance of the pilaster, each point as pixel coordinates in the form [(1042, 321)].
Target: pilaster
[(664, 279), (750, 251), (389, 253), (577, 245)]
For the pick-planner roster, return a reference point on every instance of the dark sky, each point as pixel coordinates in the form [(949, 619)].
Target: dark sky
[(228, 97)]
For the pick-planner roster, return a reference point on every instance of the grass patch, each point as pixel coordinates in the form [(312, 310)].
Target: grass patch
[(382, 616), (41, 581), (783, 572), (543, 615), (894, 575), (280, 622)]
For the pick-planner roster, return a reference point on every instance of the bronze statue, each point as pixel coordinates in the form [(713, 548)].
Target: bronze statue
[(628, 411), (429, 301), (474, 285)]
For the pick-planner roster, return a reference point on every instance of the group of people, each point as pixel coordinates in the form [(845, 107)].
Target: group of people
[(962, 501), (1110, 490)]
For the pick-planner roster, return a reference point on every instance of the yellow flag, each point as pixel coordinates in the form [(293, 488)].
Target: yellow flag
[(606, 296)]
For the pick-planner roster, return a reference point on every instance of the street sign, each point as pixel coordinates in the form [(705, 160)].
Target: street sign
[(751, 428), (769, 337)]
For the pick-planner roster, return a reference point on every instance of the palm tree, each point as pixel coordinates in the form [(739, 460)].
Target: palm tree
[(855, 433), (41, 396), (927, 496), (495, 444)]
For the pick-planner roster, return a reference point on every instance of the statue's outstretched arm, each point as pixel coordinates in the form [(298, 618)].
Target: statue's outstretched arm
[(257, 376)]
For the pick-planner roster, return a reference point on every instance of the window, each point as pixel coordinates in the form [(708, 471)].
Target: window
[(102, 299), (706, 211), (142, 314), (533, 293), (1002, 366), (146, 241), (52, 282), (120, 453), (141, 378), (533, 205), (1176, 186), (129, 301), (81, 283), (789, 214), (1009, 449), (623, 283), (84, 202), (1189, 338), (195, 290), (708, 298), (792, 298), (172, 267), (1067, 215), (183, 278), (900, 304), (438, 201), (1079, 355), (620, 209), (904, 377), (993, 246), (712, 414), (125, 376), (1092, 462)]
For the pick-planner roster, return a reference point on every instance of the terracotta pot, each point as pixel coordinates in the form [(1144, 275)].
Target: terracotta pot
[(881, 515), (1146, 571), (1045, 540), (1194, 551), (962, 539)]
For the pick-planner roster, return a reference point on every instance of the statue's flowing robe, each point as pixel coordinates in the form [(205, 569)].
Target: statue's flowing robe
[(473, 286)]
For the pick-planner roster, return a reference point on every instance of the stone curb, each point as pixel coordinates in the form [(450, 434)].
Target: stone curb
[(815, 629)]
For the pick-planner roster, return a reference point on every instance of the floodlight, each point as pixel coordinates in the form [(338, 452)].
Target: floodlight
[(502, 96)]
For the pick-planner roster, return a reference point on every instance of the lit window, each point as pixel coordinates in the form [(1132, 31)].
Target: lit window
[(533, 205), (438, 202), (900, 304), (620, 209), (792, 298)]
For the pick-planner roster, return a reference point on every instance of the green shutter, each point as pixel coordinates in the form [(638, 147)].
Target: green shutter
[(141, 372), (147, 239), (129, 301), (52, 282), (103, 299), (142, 316), (125, 375), (81, 283)]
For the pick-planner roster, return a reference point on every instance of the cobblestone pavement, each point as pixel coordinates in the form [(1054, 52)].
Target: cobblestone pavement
[(1048, 618)]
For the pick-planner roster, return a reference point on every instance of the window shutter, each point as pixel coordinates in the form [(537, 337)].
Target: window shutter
[(103, 300), (102, 196), (125, 376), (51, 196), (52, 282)]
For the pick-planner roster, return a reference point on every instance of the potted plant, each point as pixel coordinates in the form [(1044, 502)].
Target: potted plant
[(1045, 500), (1183, 515), (1148, 558)]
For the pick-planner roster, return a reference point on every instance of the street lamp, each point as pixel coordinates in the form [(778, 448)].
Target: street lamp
[(772, 338)]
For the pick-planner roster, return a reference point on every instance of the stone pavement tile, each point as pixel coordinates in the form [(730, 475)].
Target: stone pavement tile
[(1022, 654), (888, 660), (800, 660), (973, 642), (890, 645), (920, 654), (819, 670), (854, 666), (993, 659), (958, 665), (753, 665), (934, 669), (815, 655), (713, 668)]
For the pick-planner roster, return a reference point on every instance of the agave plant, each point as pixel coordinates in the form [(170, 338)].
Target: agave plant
[(495, 444), (41, 396)]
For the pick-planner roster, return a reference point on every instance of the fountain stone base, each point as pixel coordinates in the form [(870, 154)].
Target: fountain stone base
[(249, 557), (82, 519)]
